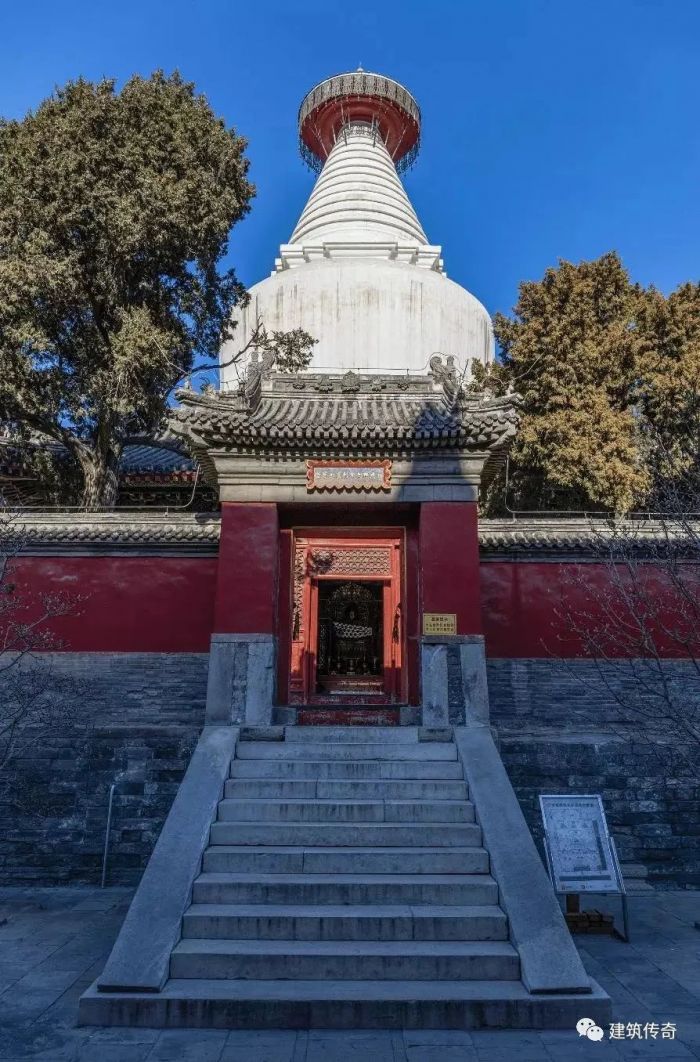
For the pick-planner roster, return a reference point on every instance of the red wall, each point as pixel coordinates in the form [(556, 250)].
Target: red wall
[(246, 590), (130, 604), (166, 604), (530, 608), (449, 562)]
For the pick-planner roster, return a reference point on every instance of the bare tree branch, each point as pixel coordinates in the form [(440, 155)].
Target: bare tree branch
[(640, 611)]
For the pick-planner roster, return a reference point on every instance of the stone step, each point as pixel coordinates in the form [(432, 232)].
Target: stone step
[(414, 960), (251, 1004), (635, 876), (634, 871), (369, 750), (451, 889), (295, 788), (638, 887), (310, 788), (317, 811), (368, 716), (239, 859), (343, 922), (396, 735), (354, 770), (346, 835)]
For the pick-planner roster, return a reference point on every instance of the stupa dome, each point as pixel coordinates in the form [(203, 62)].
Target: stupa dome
[(358, 272)]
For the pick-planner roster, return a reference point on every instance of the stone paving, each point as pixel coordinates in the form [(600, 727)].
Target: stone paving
[(53, 943)]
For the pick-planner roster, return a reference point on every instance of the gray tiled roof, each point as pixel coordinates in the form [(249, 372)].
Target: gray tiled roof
[(138, 458), (150, 457), (346, 413)]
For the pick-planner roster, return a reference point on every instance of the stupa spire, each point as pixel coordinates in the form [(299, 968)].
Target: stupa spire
[(358, 129), (358, 273)]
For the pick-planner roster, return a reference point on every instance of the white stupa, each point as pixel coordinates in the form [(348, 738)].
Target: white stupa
[(359, 273)]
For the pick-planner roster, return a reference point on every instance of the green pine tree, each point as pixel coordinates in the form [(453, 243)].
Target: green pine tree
[(608, 373), (115, 211)]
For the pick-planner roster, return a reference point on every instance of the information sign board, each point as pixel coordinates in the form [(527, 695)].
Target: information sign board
[(439, 623), (580, 851)]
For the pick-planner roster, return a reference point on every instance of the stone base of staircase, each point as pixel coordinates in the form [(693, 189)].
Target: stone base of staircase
[(217, 1004), (346, 883)]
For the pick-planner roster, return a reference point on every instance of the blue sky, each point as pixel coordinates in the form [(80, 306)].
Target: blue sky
[(551, 128)]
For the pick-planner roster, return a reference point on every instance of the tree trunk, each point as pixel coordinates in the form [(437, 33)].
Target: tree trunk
[(100, 480)]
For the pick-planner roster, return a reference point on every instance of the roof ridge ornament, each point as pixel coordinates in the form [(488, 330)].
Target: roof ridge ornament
[(350, 382), (445, 374), (257, 370)]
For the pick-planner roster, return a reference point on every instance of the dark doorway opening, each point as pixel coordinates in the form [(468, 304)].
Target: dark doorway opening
[(350, 638), (342, 629)]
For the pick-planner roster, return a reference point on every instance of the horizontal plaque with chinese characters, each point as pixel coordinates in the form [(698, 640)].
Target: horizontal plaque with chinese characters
[(348, 475), (439, 623), (580, 851)]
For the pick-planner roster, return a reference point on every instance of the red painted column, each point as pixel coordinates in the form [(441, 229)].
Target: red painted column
[(449, 562), (284, 615), (246, 584)]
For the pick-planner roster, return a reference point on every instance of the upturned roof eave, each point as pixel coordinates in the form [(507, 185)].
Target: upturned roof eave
[(347, 413)]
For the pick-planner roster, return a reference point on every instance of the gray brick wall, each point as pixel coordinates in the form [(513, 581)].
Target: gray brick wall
[(138, 716), (576, 726), (137, 721)]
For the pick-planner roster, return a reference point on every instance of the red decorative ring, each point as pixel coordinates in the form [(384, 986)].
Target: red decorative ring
[(359, 97)]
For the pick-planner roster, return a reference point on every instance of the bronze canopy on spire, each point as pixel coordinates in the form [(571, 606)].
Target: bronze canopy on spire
[(359, 97)]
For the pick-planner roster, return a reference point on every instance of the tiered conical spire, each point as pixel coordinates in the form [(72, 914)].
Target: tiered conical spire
[(359, 208), (358, 195)]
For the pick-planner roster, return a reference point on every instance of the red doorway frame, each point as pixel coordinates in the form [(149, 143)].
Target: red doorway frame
[(311, 555)]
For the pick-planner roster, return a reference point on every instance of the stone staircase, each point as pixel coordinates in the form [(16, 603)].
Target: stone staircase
[(345, 885), (338, 857)]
